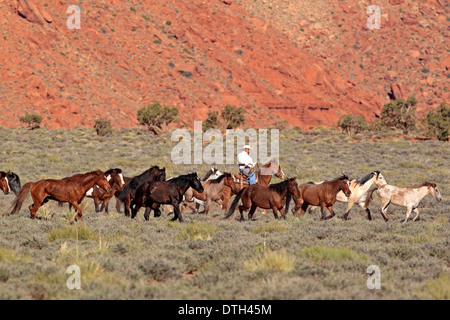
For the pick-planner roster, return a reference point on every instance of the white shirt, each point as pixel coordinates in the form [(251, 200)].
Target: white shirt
[(244, 158)]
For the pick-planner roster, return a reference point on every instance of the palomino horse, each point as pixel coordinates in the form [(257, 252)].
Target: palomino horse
[(361, 193), (406, 197), (212, 191), (165, 192), (71, 190), (99, 195), (10, 182), (266, 197), (323, 195), (150, 175), (264, 176)]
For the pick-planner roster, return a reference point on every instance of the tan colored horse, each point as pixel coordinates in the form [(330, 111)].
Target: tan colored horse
[(406, 197)]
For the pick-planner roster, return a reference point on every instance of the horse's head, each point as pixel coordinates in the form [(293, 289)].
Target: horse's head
[(434, 191), (273, 168), (103, 182), (293, 188), (161, 174), (345, 185), (13, 182), (195, 182), (114, 176), (378, 179), (4, 185), (229, 180)]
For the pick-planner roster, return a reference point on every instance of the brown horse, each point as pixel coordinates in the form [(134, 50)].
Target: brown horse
[(266, 197), (71, 190), (264, 176), (4, 185), (212, 191), (99, 195), (323, 195)]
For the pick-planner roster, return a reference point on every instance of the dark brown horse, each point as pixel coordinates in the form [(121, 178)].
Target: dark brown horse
[(4, 185), (150, 175), (264, 176), (71, 190), (323, 195), (266, 197), (165, 192)]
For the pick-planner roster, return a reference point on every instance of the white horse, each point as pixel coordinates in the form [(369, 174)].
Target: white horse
[(406, 197), (362, 190)]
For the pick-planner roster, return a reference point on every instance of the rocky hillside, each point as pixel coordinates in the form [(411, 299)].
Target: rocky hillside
[(307, 64)]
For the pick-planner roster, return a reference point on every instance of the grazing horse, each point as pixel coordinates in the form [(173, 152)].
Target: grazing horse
[(323, 195), (406, 197), (71, 190), (10, 182), (150, 175), (165, 192), (212, 191), (99, 195), (264, 176), (266, 197), (362, 190)]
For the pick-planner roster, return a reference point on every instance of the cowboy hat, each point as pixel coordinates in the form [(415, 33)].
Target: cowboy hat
[(247, 147)]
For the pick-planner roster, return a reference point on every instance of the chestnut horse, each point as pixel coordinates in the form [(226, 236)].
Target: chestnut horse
[(165, 192), (99, 195), (323, 195), (71, 190), (264, 176), (266, 197), (4, 185)]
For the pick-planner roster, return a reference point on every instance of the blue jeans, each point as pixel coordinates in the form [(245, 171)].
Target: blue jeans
[(250, 174)]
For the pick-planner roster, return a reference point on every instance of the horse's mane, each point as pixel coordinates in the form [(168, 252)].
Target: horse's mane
[(110, 171), (279, 187), (427, 184), (220, 178), (343, 177), (181, 180), (366, 178), (268, 164), (209, 173), (3, 174)]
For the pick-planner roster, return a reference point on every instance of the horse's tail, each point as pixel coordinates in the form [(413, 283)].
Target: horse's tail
[(20, 198), (234, 204)]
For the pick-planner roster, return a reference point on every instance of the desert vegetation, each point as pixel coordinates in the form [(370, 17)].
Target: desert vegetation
[(210, 258)]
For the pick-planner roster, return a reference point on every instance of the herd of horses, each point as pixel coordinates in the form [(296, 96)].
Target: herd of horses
[(152, 190)]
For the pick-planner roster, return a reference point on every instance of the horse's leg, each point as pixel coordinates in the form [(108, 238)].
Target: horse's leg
[(127, 203), (417, 214), (330, 208), (118, 205), (208, 205), (176, 210), (105, 205), (96, 203), (322, 209), (148, 209), (408, 213), (252, 211), (350, 204), (383, 208), (312, 209), (283, 214), (78, 210), (304, 207)]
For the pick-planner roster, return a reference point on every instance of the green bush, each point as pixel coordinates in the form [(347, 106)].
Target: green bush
[(352, 124), (155, 117), (399, 114), (234, 117), (103, 127), (212, 121), (33, 121), (438, 122)]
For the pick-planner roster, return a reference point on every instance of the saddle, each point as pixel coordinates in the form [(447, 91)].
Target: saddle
[(242, 178)]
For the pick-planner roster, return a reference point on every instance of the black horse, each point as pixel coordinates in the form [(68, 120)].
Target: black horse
[(165, 192), (129, 190), (12, 182)]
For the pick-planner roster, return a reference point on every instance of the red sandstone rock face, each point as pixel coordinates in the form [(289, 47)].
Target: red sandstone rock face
[(196, 55)]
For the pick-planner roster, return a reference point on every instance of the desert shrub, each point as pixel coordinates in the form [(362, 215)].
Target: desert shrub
[(399, 114), (332, 254), (233, 117), (71, 232), (212, 121), (351, 124), (156, 117), (198, 231), (103, 127), (437, 122), (269, 227), (273, 261), (33, 121)]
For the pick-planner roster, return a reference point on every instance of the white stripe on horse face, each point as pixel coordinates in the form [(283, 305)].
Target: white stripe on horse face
[(121, 179), (108, 177), (7, 183), (89, 192)]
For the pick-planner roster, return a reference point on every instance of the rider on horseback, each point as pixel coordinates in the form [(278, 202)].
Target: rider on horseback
[(246, 164)]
